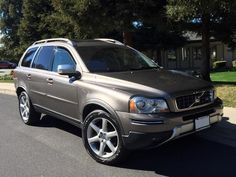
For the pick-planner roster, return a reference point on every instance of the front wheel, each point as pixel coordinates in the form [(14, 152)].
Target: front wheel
[(102, 138), (27, 112)]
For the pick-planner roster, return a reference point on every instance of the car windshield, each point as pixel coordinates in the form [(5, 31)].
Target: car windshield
[(114, 59)]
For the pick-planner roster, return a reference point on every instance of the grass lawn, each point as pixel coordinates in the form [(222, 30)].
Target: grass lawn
[(227, 76), (228, 94), (6, 79)]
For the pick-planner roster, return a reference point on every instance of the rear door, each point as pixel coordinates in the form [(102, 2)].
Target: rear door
[(38, 75), (61, 92), (24, 71)]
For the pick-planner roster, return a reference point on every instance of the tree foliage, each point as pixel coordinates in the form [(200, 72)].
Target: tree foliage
[(34, 23), (80, 19), (10, 16), (24, 21)]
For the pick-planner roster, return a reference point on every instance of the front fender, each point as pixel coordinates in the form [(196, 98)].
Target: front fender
[(105, 106)]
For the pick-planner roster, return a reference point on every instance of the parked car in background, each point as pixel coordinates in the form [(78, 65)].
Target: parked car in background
[(120, 98), (7, 65)]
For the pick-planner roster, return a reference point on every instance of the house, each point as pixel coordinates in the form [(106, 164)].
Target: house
[(189, 56)]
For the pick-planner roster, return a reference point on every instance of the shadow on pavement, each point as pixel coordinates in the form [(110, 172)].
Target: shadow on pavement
[(187, 157), (190, 156), (226, 124), (48, 121)]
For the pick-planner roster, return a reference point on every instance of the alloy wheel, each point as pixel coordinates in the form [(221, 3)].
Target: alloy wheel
[(24, 107), (102, 137)]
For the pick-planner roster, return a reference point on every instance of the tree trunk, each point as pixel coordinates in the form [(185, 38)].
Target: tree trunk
[(205, 63), (127, 38)]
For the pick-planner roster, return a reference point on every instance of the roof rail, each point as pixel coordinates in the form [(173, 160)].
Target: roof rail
[(54, 40), (109, 40)]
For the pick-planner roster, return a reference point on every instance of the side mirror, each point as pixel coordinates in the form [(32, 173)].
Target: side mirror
[(66, 69), (69, 70)]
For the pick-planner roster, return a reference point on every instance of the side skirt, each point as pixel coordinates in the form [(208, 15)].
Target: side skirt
[(57, 115)]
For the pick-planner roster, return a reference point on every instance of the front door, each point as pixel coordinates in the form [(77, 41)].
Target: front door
[(61, 93)]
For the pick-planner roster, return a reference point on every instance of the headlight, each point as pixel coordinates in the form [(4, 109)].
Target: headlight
[(147, 105), (213, 95)]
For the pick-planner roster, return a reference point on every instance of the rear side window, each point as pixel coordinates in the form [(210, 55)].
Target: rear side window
[(44, 58), (28, 57), (61, 57)]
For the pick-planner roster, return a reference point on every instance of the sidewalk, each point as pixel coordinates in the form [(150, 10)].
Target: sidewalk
[(7, 88), (224, 132)]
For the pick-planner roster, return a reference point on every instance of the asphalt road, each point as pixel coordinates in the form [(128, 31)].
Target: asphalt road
[(55, 149)]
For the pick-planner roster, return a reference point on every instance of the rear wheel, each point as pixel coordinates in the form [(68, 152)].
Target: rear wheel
[(102, 138), (27, 112)]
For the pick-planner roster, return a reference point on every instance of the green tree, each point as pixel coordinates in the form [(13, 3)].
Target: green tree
[(97, 18), (10, 15), (64, 19), (34, 24), (47, 19), (208, 18)]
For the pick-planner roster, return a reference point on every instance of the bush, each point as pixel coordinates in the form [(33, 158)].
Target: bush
[(219, 65), (6, 78)]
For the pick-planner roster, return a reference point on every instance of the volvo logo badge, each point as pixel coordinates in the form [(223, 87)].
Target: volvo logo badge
[(197, 100)]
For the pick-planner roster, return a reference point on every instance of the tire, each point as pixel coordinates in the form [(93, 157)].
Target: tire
[(102, 138), (28, 115)]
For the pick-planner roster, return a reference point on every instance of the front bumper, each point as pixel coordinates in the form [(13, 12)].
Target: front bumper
[(143, 130)]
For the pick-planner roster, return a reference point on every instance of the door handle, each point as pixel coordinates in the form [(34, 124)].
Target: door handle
[(28, 76), (50, 81)]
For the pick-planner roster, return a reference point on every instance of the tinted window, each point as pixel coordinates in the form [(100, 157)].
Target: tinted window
[(28, 57), (44, 58), (62, 56)]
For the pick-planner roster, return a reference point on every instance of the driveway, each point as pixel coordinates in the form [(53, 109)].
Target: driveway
[(55, 149)]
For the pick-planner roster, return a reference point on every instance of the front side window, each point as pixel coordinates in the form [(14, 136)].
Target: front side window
[(61, 57), (114, 59), (28, 57), (44, 58)]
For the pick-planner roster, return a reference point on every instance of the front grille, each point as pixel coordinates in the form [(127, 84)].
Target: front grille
[(194, 100)]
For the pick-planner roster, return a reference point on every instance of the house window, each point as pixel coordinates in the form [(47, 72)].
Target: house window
[(171, 54), (197, 53)]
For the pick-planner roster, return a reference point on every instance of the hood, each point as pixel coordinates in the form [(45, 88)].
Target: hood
[(169, 82)]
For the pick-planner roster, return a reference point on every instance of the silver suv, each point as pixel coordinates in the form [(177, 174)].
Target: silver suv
[(121, 99)]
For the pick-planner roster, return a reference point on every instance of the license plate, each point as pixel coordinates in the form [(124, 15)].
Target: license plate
[(202, 122)]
